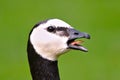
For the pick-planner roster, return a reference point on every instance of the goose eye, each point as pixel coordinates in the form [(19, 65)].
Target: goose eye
[(51, 28)]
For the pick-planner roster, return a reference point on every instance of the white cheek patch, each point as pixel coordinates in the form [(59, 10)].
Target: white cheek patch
[(48, 45)]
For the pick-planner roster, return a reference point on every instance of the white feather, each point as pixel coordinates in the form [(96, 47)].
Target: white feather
[(47, 44)]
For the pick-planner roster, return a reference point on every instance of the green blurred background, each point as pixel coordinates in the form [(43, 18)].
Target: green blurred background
[(99, 18)]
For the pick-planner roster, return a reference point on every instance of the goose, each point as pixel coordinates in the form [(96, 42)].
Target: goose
[(48, 40)]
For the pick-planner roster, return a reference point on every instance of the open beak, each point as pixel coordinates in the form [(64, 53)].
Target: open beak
[(76, 44)]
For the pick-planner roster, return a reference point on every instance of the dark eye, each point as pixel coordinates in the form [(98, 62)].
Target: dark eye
[(51, 28)]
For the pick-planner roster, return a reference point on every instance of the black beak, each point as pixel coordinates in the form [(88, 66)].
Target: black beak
[(74, 34)]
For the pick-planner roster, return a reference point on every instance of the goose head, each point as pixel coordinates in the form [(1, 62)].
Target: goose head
[(53, 37)]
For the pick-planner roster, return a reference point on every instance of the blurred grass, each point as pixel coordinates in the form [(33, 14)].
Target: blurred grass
[(100, 18)]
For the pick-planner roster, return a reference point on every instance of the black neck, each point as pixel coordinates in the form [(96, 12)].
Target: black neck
[(41, 69)]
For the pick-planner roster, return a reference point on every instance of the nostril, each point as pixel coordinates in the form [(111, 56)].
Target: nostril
[(76, 33)]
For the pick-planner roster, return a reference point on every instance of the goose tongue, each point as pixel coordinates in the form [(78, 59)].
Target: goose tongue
[(77, 45)]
